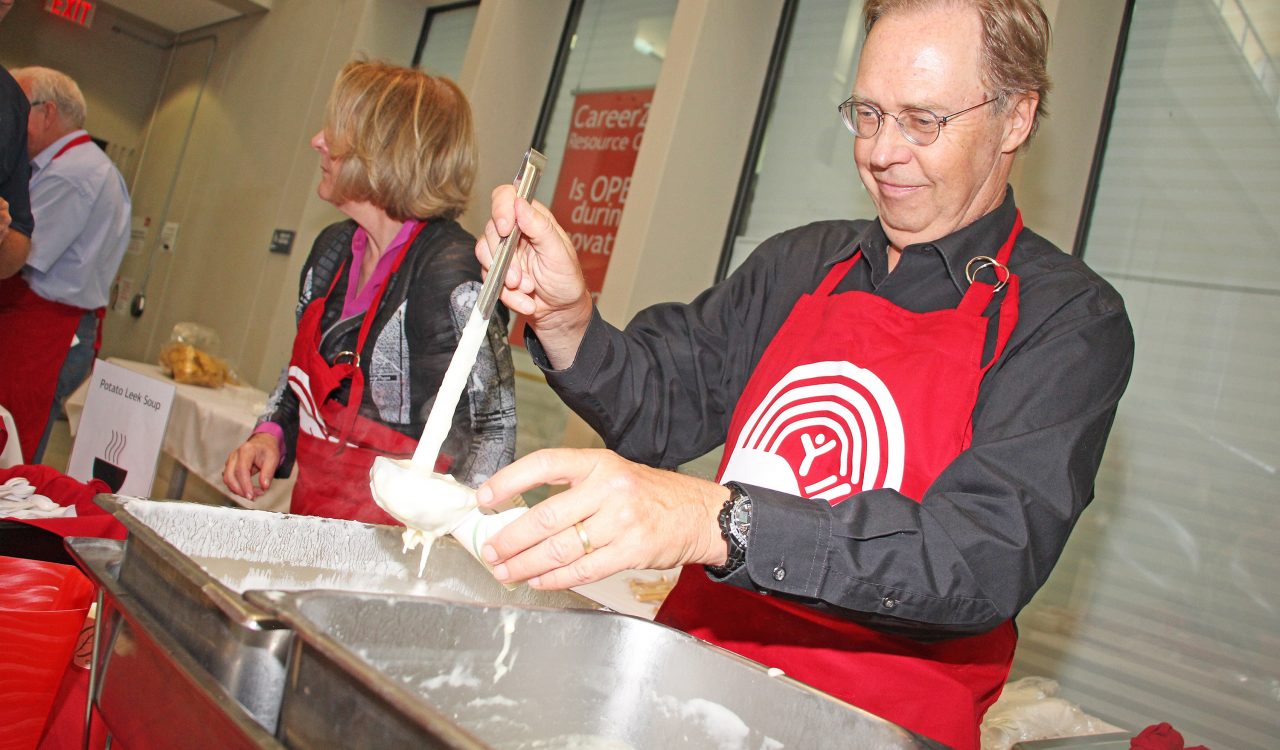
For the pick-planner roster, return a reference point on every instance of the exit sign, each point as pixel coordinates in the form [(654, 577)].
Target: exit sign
[(76, 11)]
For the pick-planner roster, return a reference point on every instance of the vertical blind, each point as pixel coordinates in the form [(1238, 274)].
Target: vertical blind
[(1166, 604)]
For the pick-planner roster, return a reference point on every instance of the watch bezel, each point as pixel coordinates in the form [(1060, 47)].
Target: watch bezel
[(740, 517), (732, 529)]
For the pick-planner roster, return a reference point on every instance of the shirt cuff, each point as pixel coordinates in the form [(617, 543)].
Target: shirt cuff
[(787, 546), (273, 429), (586, 363)]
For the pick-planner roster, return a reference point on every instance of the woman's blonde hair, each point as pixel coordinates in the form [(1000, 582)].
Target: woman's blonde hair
[(404, 140)]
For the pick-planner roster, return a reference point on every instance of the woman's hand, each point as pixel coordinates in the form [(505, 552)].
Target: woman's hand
[(616, 515), (260, 455), (544, 281)]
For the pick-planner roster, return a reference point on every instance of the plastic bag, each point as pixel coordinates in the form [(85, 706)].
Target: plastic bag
[(189, 357), (1028, 709)]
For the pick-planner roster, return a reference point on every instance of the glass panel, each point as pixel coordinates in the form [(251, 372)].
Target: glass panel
[(619, 45), (447, 40), (616, 54), (1165, 606), (805, 143)]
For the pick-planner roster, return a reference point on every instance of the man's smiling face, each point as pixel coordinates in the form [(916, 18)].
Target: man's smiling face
[(931, 59)]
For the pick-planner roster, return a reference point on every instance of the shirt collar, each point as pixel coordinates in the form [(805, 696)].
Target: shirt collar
[(360, 240), (981, 237), (44, 157)]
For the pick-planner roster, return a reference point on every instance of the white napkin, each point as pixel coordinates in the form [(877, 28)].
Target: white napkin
[(18, 499)]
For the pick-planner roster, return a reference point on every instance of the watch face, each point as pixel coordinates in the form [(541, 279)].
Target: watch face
[(740, 516)]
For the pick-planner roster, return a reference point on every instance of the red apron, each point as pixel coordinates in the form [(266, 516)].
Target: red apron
[(35, 336), (883, 398), (336, 446)]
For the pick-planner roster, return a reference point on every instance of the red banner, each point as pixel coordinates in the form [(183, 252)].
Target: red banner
[(605, 132)]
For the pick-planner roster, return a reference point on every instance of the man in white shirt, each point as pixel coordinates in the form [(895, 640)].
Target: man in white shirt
[(50, 313)]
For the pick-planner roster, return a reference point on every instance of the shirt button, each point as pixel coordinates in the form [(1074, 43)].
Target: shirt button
[(889, 602), (779, 573)]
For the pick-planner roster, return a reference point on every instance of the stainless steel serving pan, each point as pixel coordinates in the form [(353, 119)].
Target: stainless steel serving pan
[(187, 565), (378, 670), (148, 689)]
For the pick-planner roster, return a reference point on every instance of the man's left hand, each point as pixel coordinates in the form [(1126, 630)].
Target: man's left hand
[(616, 515)]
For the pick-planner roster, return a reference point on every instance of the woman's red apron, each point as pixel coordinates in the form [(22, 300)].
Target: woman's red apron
[(336, 446), (35, 337), (853, 394)]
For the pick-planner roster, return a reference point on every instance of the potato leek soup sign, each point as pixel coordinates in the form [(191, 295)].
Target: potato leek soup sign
[(121, 429), (605, 132)]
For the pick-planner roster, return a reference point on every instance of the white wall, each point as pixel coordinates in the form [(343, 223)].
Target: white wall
[(118, 64)]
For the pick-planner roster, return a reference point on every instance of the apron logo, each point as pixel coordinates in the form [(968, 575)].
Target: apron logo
[(309, 420), (826, 430)]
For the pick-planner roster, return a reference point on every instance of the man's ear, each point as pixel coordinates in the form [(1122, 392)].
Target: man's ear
[(1018, 121)]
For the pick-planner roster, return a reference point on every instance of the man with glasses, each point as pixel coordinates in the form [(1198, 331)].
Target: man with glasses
[(50, 312), (913, 408)]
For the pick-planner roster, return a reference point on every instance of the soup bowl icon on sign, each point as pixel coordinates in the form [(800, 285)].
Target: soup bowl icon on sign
[(110, 473)]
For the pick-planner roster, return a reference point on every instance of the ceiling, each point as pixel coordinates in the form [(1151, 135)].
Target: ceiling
[(178, 16)]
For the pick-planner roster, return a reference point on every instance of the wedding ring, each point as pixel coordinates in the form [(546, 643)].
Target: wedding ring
[(582, 537)]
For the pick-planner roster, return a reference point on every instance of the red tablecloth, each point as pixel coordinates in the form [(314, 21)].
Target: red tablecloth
[(90, 520)]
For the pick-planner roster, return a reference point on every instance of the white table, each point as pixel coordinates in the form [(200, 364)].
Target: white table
[(205, 425)]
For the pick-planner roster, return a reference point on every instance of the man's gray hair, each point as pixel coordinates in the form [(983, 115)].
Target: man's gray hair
[(49, 85)]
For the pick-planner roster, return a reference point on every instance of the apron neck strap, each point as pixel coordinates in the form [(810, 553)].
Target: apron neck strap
[(357, 376), (77, 141), (836, 274), (980, 293)]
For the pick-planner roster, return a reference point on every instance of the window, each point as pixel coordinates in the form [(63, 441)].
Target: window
[(804, 142), (1165, 606), (614, 49), (446, 32)]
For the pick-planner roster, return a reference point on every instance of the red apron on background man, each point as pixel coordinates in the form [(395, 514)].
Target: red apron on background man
[(35, 337), (853, 394), (336, 446)]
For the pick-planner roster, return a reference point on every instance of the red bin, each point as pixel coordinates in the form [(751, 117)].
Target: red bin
[(43, 607)]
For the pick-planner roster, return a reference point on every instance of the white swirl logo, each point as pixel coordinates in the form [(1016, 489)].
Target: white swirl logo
[(826, 430)]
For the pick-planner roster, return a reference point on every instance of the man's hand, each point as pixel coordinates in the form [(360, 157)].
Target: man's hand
[(260, 455), (616, 515), (544, 281)]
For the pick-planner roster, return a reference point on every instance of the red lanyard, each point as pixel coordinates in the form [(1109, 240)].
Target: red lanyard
[(72, 144)]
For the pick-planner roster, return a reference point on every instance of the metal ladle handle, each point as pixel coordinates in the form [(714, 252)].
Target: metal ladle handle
[(526, 181)]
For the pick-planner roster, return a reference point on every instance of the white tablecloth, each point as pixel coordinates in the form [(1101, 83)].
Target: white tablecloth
[(205, 425)]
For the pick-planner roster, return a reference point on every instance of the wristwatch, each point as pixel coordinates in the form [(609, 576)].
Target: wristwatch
[(735, 527)]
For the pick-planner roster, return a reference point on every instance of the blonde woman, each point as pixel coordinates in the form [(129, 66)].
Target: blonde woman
[(384, 296)]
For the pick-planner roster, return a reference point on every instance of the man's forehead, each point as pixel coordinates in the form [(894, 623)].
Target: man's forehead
[(922, 57)]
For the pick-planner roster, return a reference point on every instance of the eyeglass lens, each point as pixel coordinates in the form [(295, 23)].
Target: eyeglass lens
[(920, 126)]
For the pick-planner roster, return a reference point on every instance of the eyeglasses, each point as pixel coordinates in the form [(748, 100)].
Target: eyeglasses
[(920, 126)]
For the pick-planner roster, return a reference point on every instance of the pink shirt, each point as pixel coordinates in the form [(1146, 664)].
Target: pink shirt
[(358, 299)]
